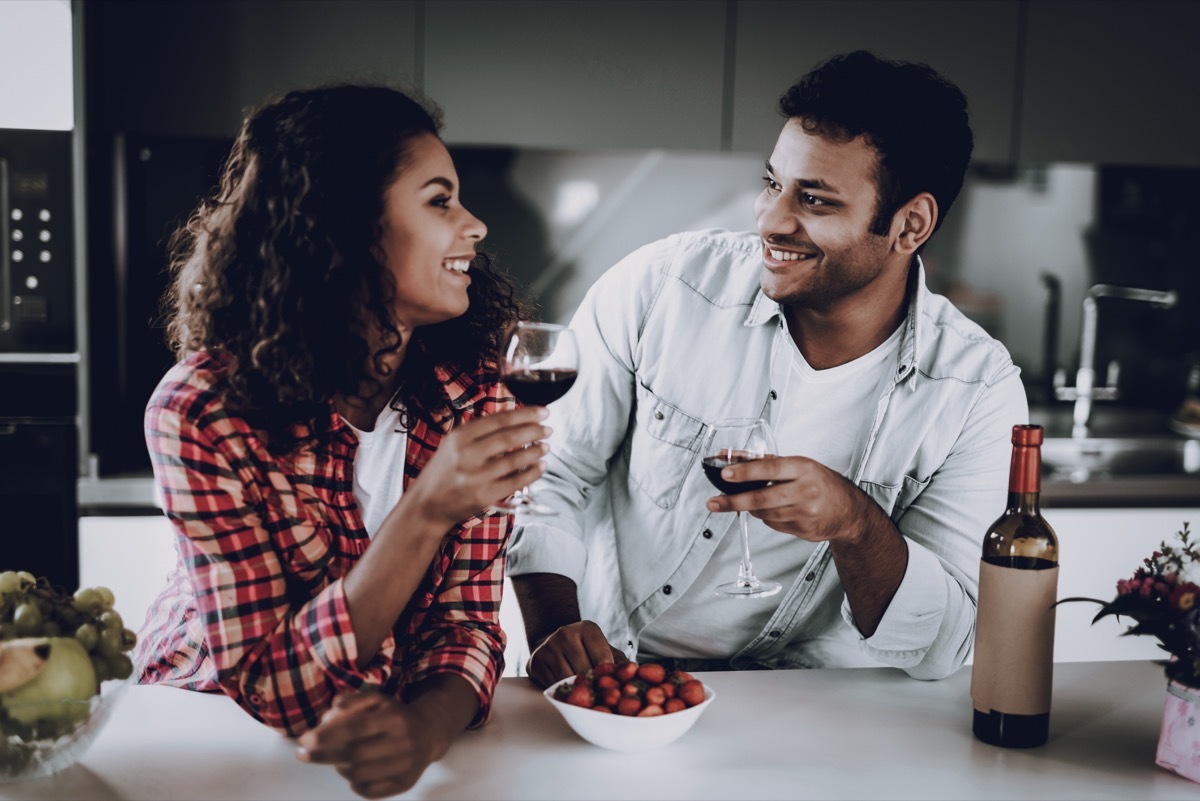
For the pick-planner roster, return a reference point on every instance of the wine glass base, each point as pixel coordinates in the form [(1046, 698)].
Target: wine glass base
[(749, 589)]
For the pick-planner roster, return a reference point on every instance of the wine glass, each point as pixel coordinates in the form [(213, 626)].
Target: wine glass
[(734, 441), (539, 364)]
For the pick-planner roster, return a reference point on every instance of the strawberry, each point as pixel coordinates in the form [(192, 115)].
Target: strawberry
[(625, 671), (651, 711), (674, 705), (678, 677), (629, 705), (583, 679), (581, 695), (691, 692), (561, 692), (652, 673), (601, 708), (604, 669), (610, 696), (605, 682), (655, 696), (633, 688), (669, 689)]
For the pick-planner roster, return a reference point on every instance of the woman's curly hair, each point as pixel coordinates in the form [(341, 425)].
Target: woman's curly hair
[(278, 272)]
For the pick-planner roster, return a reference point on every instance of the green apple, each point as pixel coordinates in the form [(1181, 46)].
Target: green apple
[(66, 679)]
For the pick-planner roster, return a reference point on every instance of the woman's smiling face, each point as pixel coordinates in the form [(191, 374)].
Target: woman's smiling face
[(427, 237)]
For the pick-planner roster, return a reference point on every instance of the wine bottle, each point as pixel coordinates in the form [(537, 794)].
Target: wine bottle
[(1014, 628)]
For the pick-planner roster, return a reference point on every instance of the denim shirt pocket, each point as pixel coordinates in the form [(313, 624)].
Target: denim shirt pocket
[(895, 498), (663, 447)]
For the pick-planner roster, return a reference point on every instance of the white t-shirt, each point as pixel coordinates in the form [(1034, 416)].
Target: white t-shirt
[(822, 414), (379, 467)]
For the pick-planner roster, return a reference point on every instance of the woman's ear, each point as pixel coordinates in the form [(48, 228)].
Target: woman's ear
[(917, 218)]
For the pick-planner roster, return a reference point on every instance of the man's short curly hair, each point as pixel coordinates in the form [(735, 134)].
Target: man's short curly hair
[(279, 269), (915, 119)]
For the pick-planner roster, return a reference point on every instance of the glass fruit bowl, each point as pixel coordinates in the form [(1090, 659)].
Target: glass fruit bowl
[(41, 738)]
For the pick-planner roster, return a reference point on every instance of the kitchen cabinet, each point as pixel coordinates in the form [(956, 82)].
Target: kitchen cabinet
[(584, 74), (974, 43), (195, 68), (1111, 82)]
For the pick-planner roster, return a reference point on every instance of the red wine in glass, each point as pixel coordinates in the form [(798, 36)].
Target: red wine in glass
[(539, 387), (714, 464)]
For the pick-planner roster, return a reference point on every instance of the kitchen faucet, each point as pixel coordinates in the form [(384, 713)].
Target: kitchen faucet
[(1085, 390)]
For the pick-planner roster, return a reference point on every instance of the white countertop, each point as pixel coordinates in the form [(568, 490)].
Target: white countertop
[(824, 734)]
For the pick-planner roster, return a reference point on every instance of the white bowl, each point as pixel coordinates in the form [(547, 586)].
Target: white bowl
[(624, 733)]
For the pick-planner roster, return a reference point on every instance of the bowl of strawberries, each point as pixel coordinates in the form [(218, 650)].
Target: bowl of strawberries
[(630, 706)]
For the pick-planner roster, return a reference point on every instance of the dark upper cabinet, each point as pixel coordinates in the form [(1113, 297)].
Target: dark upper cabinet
[(972, 42), (580, 74), (195, 68), (1111, 82)]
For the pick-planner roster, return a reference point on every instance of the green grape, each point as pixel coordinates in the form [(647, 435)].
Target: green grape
[(28, 619), (122, 666), (128, 639), (89, 600), (110, 643), (100, 665), (106, 596), (88, 636), (9, 582), (112, 620)]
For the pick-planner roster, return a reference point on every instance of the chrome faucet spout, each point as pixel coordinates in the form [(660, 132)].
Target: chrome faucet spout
[(1085, 390)]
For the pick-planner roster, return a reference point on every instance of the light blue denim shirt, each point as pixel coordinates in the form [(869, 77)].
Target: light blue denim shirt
[(678, 335)]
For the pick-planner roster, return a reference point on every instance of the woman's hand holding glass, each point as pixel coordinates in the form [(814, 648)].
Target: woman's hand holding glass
[(480, 463)]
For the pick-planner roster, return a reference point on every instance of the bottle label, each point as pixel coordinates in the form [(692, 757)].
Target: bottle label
[(1014, 640)]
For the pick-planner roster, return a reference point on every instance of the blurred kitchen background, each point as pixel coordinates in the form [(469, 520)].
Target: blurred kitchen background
[(581, 130)]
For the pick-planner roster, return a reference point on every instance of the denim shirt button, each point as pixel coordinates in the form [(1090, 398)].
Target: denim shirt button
[(658, 415), (667, 590), (707, 534), (902, 368), (774, 395), (811, 575), (775, 633)]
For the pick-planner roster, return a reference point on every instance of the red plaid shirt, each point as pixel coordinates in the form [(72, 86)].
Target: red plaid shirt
[(256, 605)]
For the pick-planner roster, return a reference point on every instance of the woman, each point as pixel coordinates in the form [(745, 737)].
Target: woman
[(328, 439)]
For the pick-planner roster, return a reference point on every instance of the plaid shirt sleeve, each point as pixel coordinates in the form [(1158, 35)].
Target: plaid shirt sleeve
[(280, 658), (461, 631)]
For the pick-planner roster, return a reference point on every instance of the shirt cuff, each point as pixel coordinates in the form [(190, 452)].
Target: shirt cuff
[(324, 627), (913, 619)]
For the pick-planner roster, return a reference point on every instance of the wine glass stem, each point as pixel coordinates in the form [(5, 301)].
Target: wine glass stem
[(745, 570)]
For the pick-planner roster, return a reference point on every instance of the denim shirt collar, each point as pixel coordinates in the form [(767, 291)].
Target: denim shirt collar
[(764, 310)]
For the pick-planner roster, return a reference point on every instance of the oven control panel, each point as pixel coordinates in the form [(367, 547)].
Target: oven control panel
[(37, 253)]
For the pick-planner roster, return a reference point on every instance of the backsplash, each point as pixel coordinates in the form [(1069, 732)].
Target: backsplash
[(1017, 252)]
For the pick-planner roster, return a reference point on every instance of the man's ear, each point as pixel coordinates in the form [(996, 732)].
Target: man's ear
[(917, 219)]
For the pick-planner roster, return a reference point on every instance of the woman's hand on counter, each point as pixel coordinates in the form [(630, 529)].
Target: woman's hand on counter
[(380, 745)]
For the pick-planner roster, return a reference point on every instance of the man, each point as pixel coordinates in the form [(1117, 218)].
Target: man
[(892, 412)]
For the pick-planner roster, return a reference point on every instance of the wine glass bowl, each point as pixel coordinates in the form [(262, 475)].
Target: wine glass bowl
[(539, 364), (732, 442)]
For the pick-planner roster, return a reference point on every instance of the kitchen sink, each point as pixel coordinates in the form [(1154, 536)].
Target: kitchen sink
[(1086, 459)]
